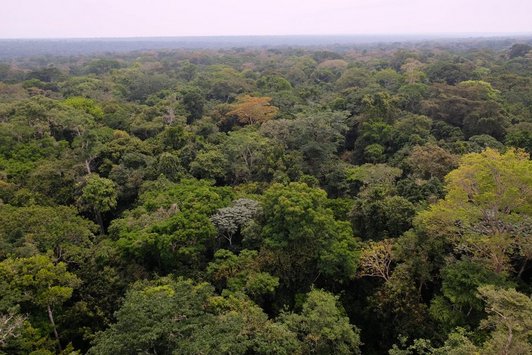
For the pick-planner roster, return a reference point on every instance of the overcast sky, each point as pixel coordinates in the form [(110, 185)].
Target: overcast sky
[(132, 18)]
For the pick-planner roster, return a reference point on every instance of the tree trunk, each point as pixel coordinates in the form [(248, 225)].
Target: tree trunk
[(51, 317), (88, 166), (99, 219)]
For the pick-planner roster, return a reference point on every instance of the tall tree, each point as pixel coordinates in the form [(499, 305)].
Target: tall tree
[(99, 195), (304, 238), (486, 211), (322, 326), (39, 281)]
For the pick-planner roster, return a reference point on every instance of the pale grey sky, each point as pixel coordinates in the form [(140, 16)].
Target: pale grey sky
[(131, 18)]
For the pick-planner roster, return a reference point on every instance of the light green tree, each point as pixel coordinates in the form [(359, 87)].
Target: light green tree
[(322, 326), (40, 282), (99, 195), (486, 212)]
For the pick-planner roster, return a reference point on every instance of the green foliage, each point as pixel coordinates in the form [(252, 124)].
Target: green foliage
[(508, 323), (167, 315), (171, 228), (305, 236), (486, 209), (65, 235), (155, 317), (194, 103), (322, 326), (210, 164), (450, 73), (258, 170), (519, 50), (38, 280), (382, 218), (459, 287), (520, 136), (241, 273), (510, 317), (86, 105), (136, 85), (189, 194), (99, 193)]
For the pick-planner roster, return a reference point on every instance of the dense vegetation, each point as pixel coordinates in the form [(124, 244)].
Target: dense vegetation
[(267, 201)]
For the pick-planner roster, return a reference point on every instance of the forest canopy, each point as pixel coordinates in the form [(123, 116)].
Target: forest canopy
[(274, 200)]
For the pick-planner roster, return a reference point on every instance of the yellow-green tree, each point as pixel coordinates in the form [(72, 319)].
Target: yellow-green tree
[(486, 212)]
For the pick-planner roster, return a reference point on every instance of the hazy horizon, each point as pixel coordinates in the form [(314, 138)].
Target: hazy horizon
[(420, 35), (95, 19)]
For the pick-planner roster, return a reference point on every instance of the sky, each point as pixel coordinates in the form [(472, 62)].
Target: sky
[(161, 18)]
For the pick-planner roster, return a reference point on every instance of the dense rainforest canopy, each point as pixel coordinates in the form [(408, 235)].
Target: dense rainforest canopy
[(286, 200)]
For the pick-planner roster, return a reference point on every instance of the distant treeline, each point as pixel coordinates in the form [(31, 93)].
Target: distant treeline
[(15, 48)]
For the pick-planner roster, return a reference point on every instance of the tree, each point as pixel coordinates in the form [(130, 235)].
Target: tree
[(377, 217), (430, 161), (230, 220), (450, 73), (322, 326), (273, 83), (411, 130), (371, 177), (459, 304), (10, 327), (183, 237), (194, 103), (155, 317), (169, 315), (354, 77), (169, 165), (87, 105), (170, 229), (398, 302), (376, 259), (508, 323), (483, 141), (41, 282), (137, 85), (373, 139), (413, 70), (101, 66), (510, 317), (388, 79), (251, 110), (240, 327), (210, 164), (304, 236), (250, 156), (457, 343), (520, 136), (411, 96), (317, 136), (486, 210), (472, 105), (65, 235), (98, 195), (519, 50), (223, 83), (241, 273)]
